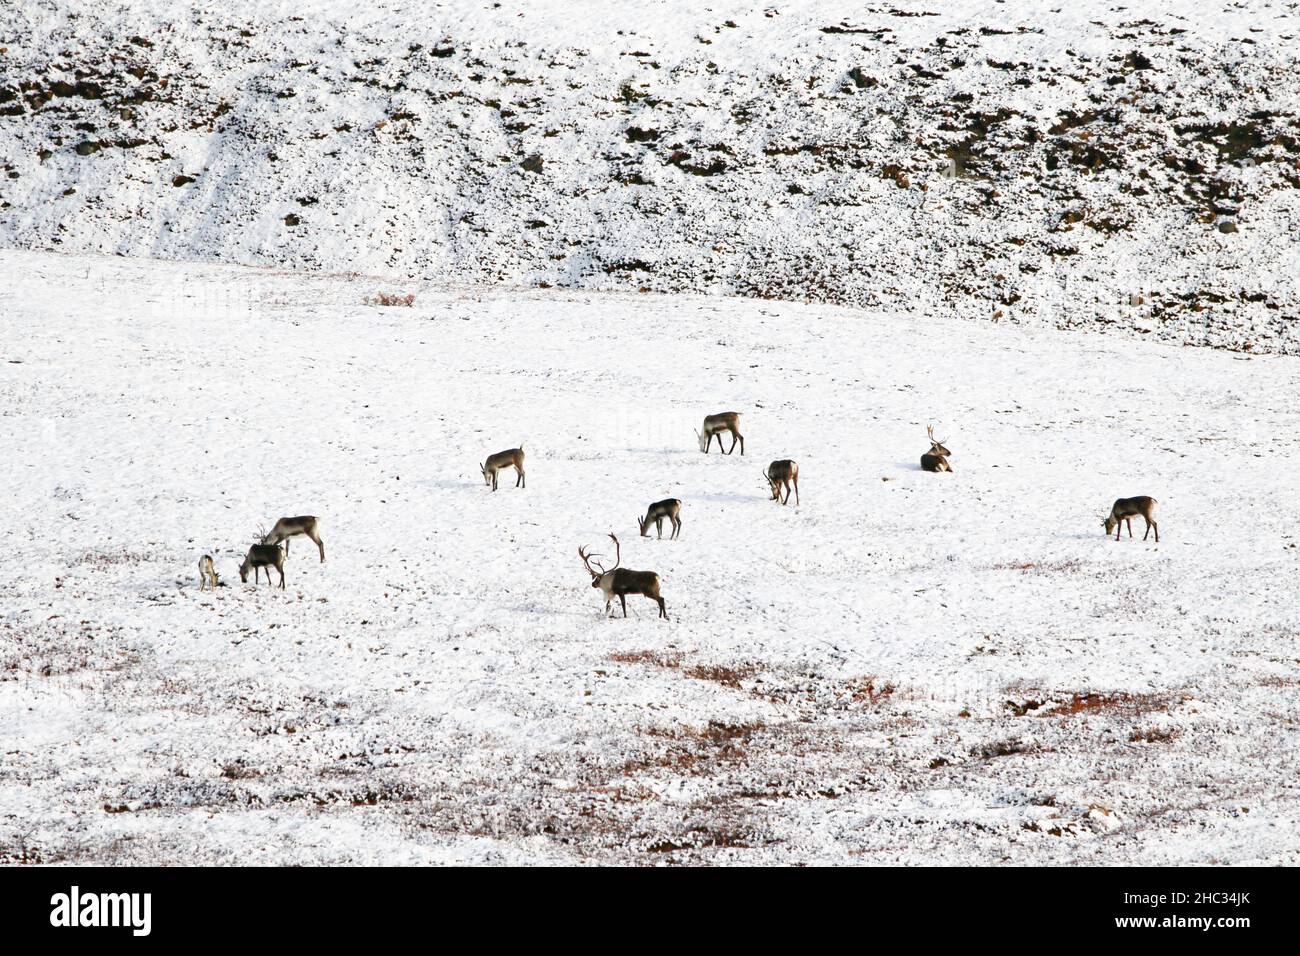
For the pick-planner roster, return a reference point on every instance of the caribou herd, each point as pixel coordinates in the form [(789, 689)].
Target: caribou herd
[(782, 477)]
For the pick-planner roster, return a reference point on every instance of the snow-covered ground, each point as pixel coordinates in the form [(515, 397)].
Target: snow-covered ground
[(1085, 164), (905, 668)]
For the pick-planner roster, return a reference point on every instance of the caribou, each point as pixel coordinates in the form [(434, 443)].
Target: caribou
[(783, 474), (504, 459), (287, 528), (208, 576), (716, 425), (936, 459), (670, 508), (263, 556), (620, 582), (1123, 511)]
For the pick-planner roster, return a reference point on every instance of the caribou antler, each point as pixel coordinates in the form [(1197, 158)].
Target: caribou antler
[(618, 552), (586, 561), (929, 430)]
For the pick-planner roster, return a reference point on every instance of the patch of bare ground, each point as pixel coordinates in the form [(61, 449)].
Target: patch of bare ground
[(22, 855), (777, 684), (827, 694), (57, 647), (702, 837), (1116, 704), (1278, 681), (692, 751), (102, 560), (390, 299), (1068, 566), (1004, 748), (721, 674), (1153, 735), (657, 658), (1085, 703), (728, 675)]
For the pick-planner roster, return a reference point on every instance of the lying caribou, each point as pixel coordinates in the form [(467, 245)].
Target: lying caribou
[(620, 582), (504, 459), (716, 425), (670, 508), (1123, 511), (936, 459), (782, 474), (287, 528)]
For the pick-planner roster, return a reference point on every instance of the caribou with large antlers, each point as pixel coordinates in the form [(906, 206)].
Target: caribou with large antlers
[(783, 474), (716, 425), (620, 582), (936, 459)]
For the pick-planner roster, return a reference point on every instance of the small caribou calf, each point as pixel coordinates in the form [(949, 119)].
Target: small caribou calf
[(620, 582), (1123, 511), (670, 508), (504, 459), (936, 459), (782, 474), (287, 528), (263, 556), (716, 425), (208, 576)]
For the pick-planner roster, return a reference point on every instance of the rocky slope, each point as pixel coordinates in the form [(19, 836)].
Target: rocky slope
[(1082, 165)]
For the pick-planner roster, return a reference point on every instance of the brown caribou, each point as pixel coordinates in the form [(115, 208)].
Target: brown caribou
[(1123, 512), (936, 459), (670, 508), (783, 474), (620, 582), (716, 425), (504, 459)]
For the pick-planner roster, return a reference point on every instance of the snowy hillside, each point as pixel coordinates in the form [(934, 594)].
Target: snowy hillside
[(1076, 165), (905, 668)]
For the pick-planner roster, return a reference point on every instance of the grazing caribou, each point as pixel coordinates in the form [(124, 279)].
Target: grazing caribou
[(263, 556), (782, 474), (504, 459), (936, 459), (1123, 511), (620, 582), (716, 425), (287, 528), (208, 576), (670, 508)]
